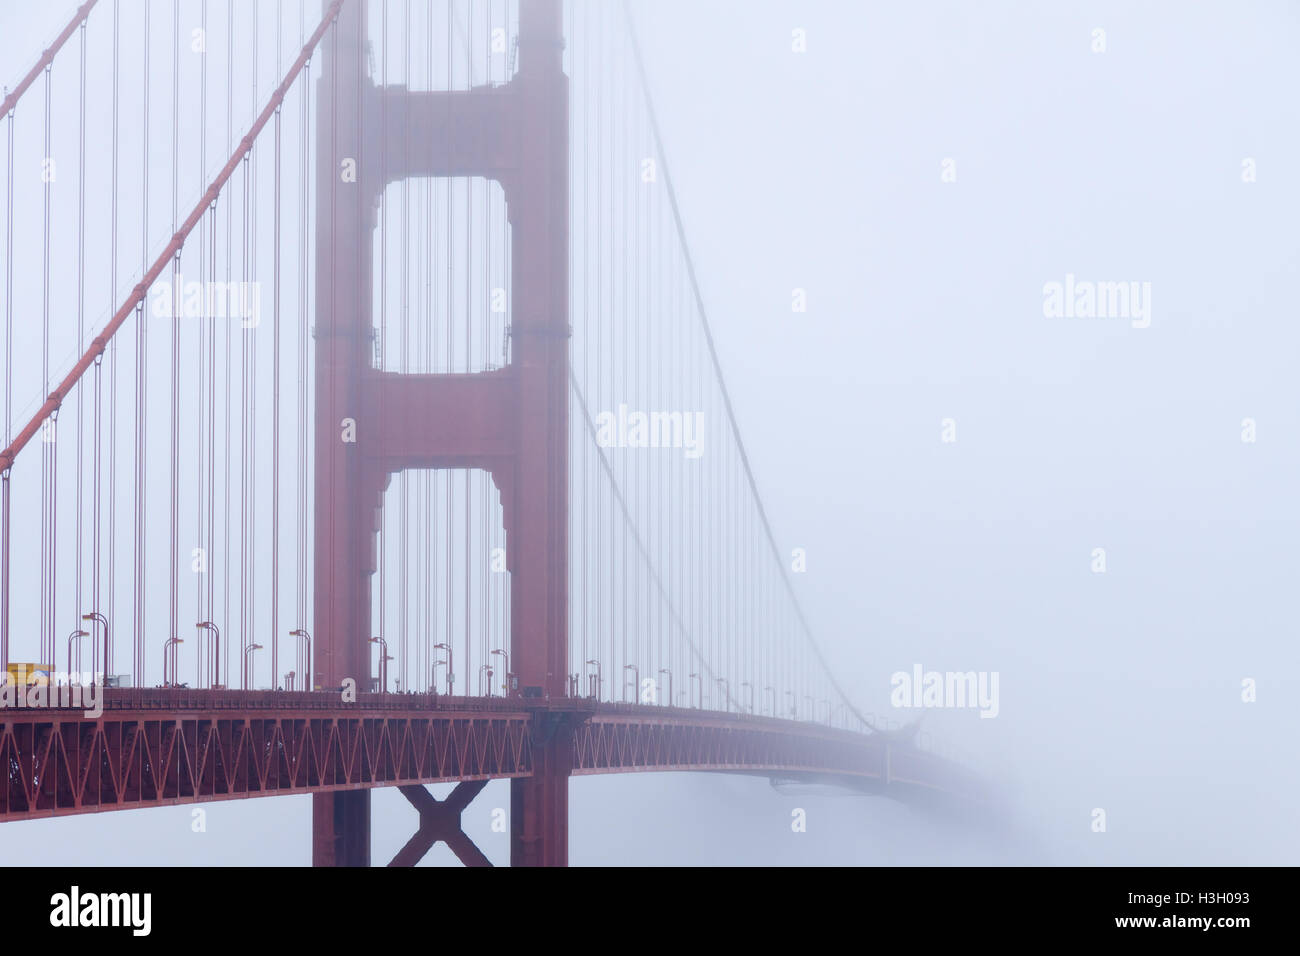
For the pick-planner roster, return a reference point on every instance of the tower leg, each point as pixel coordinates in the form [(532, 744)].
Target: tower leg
[(345, 488), (340, 823), (539, 806)]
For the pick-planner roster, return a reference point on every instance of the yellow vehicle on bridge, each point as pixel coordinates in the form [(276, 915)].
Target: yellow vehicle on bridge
[(29, 675)]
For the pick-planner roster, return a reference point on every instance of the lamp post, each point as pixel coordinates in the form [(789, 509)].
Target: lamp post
[(248, 665), (171, 641), (288, 680), (383, 665), (594, 686), (72, 637), (213, 682), (726, 692), (96, 616), (793, 710), (773, 690), (693, 677), (636, 681), (433, 678), (301, 633), (505, 656), (750, 706), (664, 670), (485, 670), (451, 676)]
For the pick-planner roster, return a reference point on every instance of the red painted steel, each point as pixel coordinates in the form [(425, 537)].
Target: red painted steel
[(47, 56), (173, 746), (161, 747), (440, 820), (512, 423), (347, 495)]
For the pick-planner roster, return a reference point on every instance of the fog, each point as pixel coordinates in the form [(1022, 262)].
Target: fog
[(951, 458)]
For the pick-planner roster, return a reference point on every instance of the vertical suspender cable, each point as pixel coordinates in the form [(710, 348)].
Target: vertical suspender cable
[(202, 613), (304, 244), (275, 383), (47, 478), (174, 547), (111, 588), (431, 578), (403, 522), (141, 354), (469, 309), (8, 387), (96, 486), (382, 549), (250, 337), (81, 328), (245, 477), (599, 87), (227, 517), (450, 216), (624, 156)]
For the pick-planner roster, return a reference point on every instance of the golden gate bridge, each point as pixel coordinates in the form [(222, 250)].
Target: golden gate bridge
[(364, 418)]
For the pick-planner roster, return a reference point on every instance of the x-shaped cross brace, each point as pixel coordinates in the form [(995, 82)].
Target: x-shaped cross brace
[(440, 820)]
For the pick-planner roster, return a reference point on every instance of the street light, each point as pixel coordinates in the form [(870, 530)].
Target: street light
[(216, 650), (636, 681), (248, 666), (434, 676), (96, 616), (664, 670), (773, 690), (794, 711), (451, 677), (308, 683), (726, 692), (383, 666), (693, 676), (505, 656), (751, 695), (72, 637), (166, 644), (485, 669), (594, 685)]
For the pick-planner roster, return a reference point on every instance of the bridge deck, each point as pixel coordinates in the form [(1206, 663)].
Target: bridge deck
[(172, 746)]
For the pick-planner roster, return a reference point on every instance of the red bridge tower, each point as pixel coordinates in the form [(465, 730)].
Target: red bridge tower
[(512, 422)]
